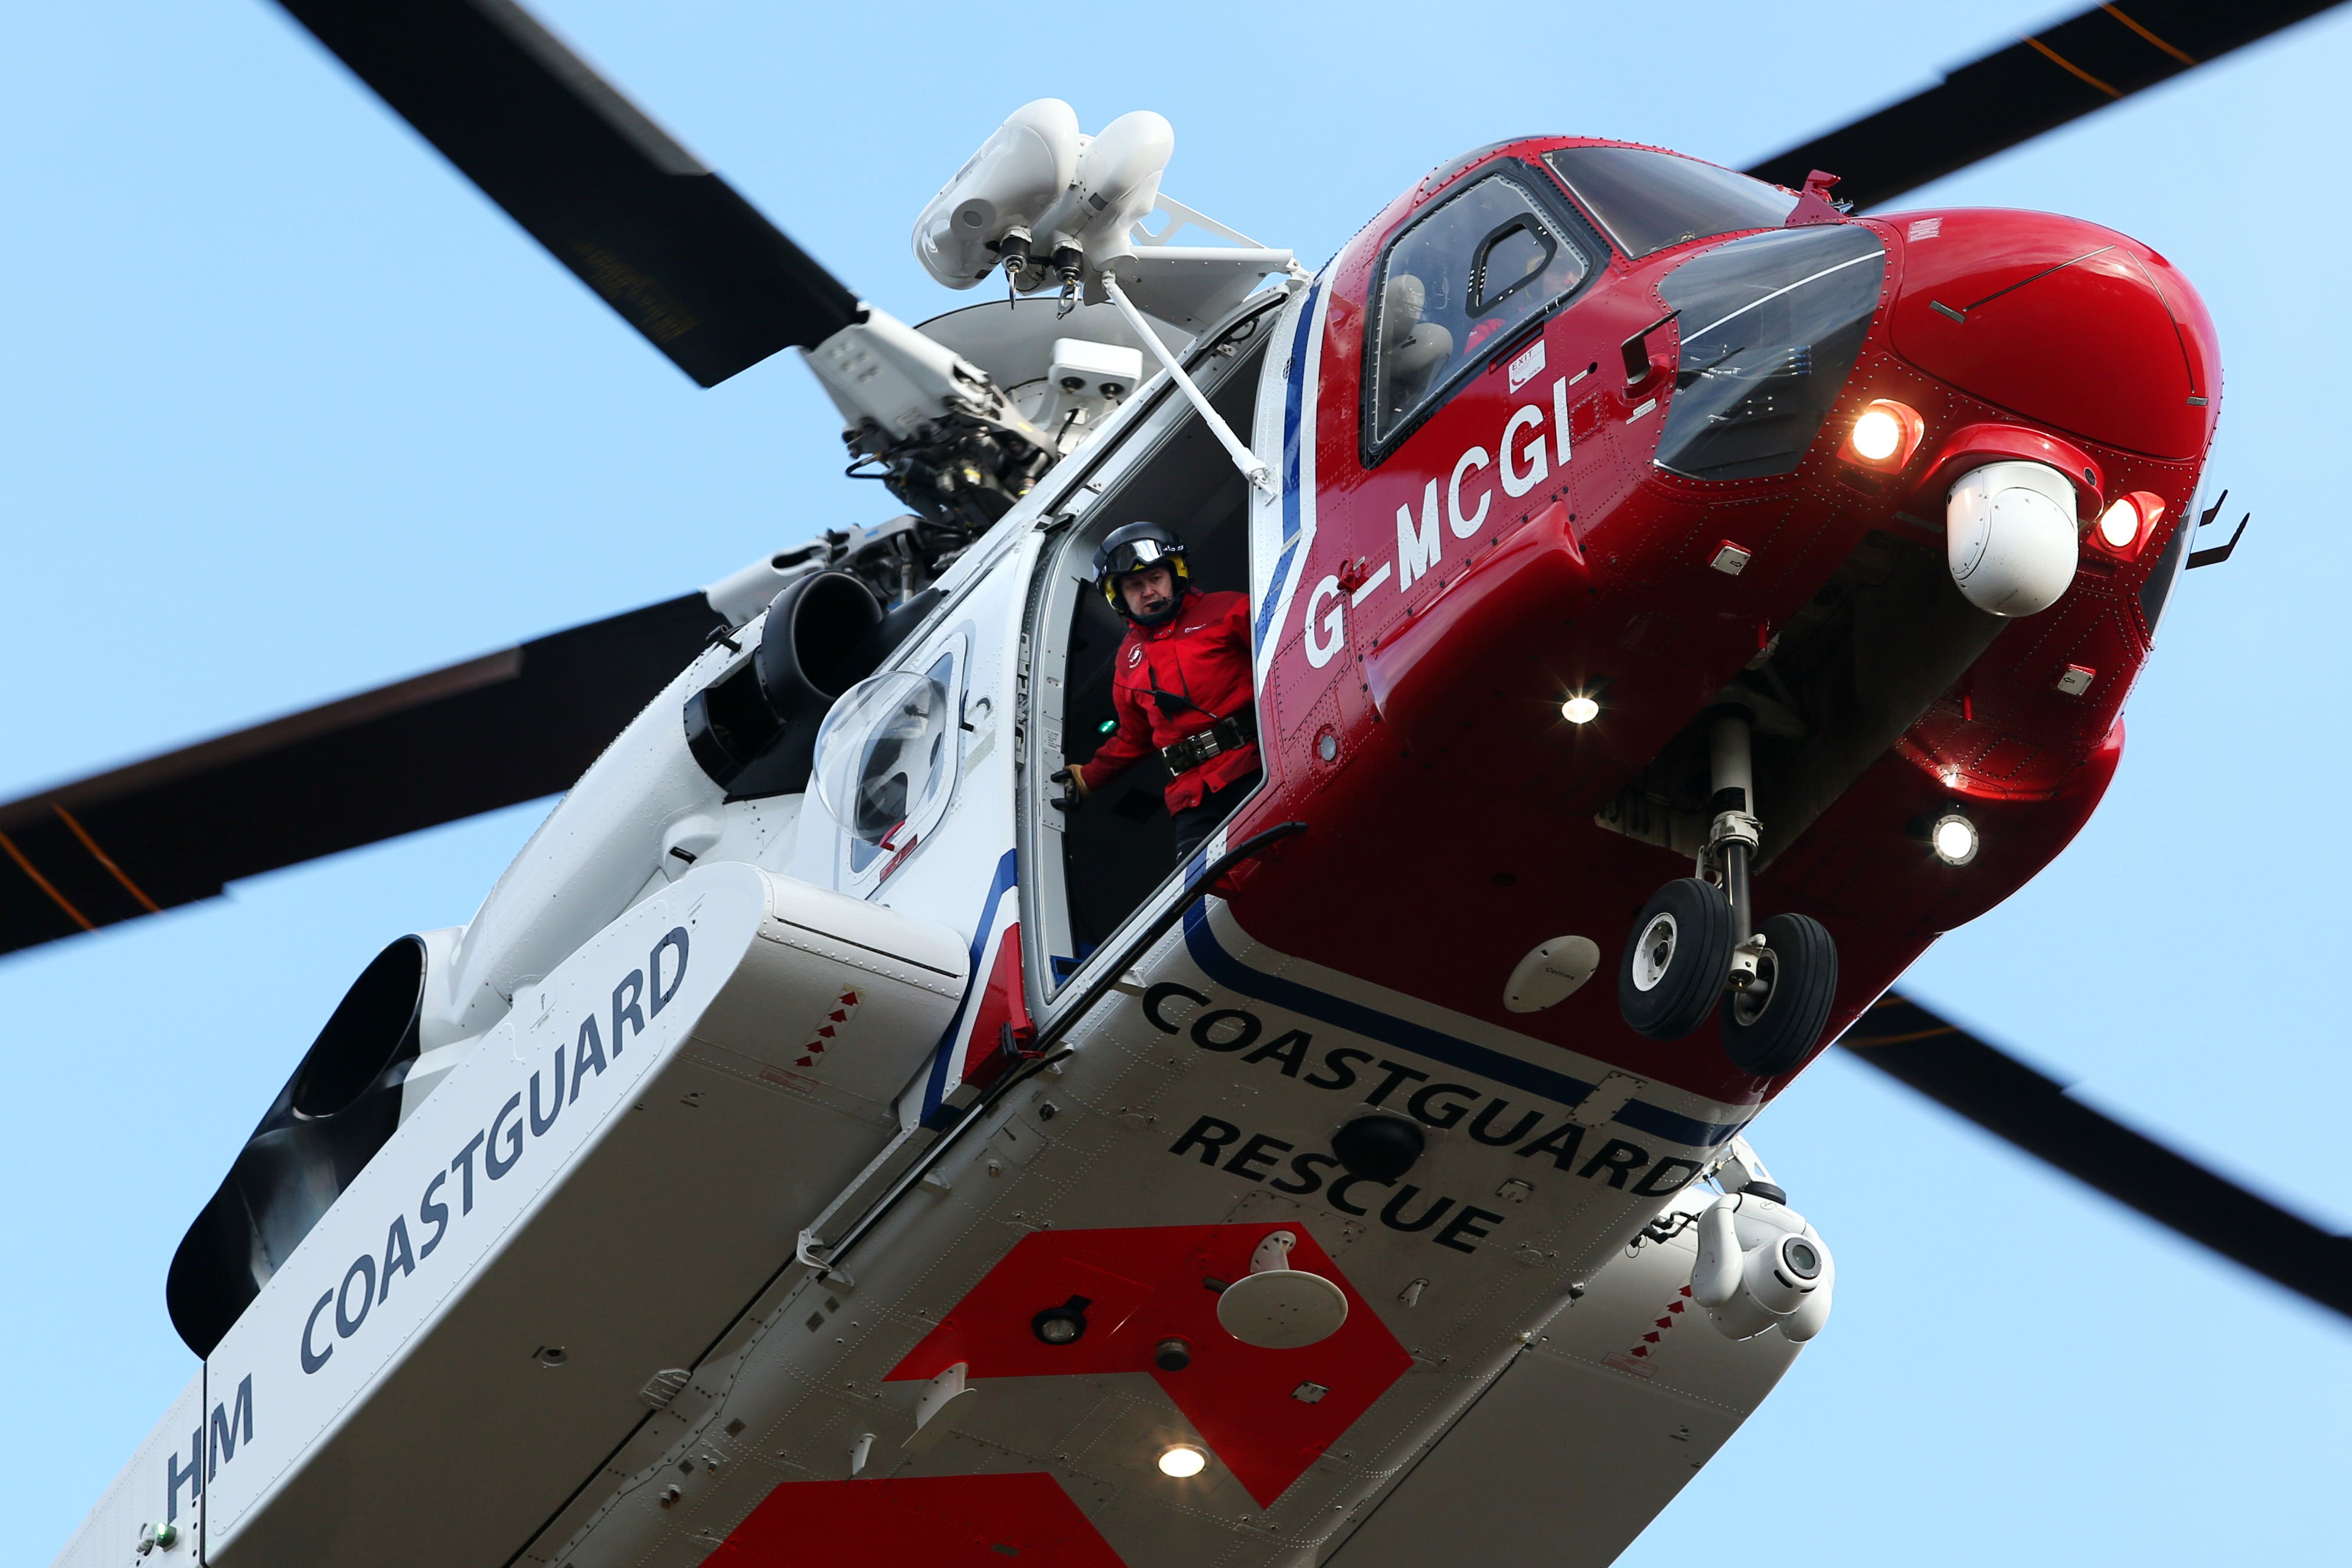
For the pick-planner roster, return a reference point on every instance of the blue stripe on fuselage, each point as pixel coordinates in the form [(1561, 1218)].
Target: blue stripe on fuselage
[(998, 886), (1421, 1041), (1294, 400)]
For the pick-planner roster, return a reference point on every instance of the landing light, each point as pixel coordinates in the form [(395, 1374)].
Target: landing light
[(1954, 838), (1877, 435), (2120, 524), (1062, 1325), (1181, 1460), (1884, 435), (2129, 521), (1579, 710)]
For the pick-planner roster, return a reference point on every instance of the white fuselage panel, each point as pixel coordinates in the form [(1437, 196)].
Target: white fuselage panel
[(580, 1204)]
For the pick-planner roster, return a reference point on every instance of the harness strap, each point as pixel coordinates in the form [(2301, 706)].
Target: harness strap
[(1230, 734)]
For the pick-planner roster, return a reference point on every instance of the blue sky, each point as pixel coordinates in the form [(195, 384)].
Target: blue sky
[(289, 411)]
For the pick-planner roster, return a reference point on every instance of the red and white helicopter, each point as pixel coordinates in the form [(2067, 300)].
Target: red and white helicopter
[(1773, 566)]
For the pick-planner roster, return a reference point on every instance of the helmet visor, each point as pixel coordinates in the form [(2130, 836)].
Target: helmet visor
[(1136, 555)]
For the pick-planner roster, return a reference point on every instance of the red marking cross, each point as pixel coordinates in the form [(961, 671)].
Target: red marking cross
[(1143, 1286), (922, 1522)]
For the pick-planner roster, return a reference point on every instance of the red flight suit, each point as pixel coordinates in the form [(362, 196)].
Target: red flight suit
[(1200, 653)]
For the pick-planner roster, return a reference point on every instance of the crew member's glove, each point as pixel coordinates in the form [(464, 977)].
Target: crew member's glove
[(1074, 789)]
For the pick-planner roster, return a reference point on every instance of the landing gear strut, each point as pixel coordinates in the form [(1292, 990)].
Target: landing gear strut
[(1697, 939)]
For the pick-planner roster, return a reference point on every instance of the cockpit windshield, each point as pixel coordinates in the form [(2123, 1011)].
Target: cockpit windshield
[(1771, 325), (1648, 201)]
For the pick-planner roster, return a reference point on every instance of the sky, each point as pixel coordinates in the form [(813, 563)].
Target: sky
[(289, 411)]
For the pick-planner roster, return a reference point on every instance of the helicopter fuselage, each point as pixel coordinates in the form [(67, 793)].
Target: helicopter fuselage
[(833, 1221)]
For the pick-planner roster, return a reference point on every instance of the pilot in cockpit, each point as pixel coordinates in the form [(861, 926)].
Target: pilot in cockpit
[(1413, 349), (1180, 684)]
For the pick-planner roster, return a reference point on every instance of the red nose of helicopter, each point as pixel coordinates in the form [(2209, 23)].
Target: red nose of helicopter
[(2073, 327), (1848, 485)]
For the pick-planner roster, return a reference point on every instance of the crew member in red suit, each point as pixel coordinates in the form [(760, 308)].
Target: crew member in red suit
[(1179, 683)]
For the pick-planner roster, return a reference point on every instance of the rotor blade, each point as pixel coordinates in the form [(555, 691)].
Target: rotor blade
[(666, 243), (2005, 1097), (492, 732), (2037, 84)]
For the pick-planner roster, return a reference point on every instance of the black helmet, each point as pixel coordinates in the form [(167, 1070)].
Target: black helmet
[(1134, 548)]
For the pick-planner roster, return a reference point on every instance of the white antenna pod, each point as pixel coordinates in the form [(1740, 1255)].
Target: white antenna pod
[(989, 212), (1117, 186)]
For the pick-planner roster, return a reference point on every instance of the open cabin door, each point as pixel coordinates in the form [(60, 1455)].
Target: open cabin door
[(1087, 873)]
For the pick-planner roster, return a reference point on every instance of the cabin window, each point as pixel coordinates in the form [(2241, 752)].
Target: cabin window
[(1648, 201), (1456, 285), (885, 763)]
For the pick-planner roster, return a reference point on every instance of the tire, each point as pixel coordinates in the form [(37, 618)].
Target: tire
[(1675, 963), (1771, 1038)]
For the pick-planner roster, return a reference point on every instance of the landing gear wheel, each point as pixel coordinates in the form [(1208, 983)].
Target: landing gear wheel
[(1770, 1026), (1675, 961)]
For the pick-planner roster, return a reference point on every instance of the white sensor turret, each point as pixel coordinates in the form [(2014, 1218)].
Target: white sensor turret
[(2010, 536)]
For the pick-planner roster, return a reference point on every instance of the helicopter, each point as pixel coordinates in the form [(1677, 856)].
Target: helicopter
[(129, 877)]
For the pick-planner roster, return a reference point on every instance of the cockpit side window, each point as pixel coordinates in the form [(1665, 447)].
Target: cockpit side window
[(1648, 201), (1456, 285)]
